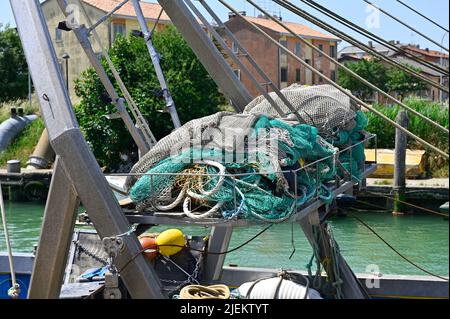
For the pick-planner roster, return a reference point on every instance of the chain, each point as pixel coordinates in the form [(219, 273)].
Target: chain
[(82, 249)]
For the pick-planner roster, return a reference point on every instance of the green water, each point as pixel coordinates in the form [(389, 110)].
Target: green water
[(422, 238)]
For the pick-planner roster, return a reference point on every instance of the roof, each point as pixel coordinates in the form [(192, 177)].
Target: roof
[(353, 50), (423, 68), (427, 52), (300, 29), (150, 10)]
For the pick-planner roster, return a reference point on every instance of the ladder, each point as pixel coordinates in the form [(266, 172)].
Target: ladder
[(170, 104)]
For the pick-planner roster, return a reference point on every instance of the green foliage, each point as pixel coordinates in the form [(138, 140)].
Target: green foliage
[(24, 144), (13, 66), (371, 70), (434, 111), (194, 92), (388, 79), (403, 83)]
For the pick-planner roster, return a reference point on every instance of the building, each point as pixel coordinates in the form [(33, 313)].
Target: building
[(354, 54), (283, 70), (121, 22)]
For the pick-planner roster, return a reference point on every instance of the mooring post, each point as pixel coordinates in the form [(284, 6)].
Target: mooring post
[(400, 164)]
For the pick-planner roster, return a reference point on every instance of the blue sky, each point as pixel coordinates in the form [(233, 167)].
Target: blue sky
[(354, 10)]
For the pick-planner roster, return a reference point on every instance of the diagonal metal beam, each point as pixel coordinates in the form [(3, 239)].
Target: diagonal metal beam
[(207, 52), (79, 163), (54, 240)]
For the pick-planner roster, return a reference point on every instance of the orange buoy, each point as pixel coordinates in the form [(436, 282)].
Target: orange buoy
[(149, 243)]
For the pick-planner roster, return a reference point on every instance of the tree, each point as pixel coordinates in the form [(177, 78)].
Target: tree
[(404, 83), (389, 79), (194, 92), (13, 65), (371, 70)]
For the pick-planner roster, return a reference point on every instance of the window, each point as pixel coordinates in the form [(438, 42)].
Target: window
[(333, 51), (234, 47), (238, 73), (298, 48), (333, 75), (118, 28), (321, 49), (283, 54), (58, 35), (297, 75), (321, 78), (283, 74)]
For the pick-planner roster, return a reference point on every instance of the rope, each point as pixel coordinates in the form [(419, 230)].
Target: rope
[(396, 251), (349, 71), (205, 292), (422, 15), (411, 205), (14, 291), (307, 16), (333, 83), (370, 35), (405, 24)]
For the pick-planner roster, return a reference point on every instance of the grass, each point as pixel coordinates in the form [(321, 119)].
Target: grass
[(23, 145), (436, 165), (384, 182)]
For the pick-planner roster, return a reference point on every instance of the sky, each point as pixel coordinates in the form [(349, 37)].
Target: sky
[(355, 10)]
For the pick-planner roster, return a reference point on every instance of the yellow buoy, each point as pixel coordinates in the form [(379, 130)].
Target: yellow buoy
[(170, 237)]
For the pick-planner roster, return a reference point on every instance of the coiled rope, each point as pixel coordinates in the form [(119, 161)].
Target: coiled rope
[(205, 292)]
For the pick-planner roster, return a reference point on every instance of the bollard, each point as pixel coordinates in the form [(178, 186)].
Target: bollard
[(13, 166), (399, 187)]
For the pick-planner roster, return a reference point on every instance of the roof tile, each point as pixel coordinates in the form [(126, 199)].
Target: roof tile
[(300, 29), (150, 10)]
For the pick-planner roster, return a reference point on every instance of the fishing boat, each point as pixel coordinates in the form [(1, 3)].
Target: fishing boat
[(291, 185)]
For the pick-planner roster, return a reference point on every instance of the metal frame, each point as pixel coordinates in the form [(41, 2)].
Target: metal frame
[(170, 104), (82, 34), (80, 166), (206, 51), (78, 178)]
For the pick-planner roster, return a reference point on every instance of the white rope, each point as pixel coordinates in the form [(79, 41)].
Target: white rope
[(14, 291), (207, 214), (205, 195)]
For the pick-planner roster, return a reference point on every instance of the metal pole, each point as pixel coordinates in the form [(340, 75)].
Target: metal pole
[(8, 247), (170, 104), (401, 141), (56, 234), (80, 165), (29, 87), (208, 54)]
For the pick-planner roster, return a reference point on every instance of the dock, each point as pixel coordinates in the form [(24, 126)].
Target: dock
[(29, 184)]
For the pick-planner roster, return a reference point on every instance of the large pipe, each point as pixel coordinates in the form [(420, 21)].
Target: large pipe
[(43, 154), (10, 128)]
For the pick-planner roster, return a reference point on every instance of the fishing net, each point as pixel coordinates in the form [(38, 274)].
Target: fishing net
[(321, 106), (252, 165)]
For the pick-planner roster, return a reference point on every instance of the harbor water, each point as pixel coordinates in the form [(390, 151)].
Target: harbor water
[(422, 238)]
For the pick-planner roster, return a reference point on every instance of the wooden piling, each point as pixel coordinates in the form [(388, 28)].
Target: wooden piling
[(399, 187)]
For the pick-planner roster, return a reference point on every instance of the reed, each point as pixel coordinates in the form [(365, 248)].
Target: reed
[(437, 166)]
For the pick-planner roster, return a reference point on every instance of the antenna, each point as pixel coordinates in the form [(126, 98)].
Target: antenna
[(269, 6)]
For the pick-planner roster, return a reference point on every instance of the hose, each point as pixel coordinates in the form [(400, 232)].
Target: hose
[(205, 292)]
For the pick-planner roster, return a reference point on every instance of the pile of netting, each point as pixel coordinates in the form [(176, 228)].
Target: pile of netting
[(255, 164)]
